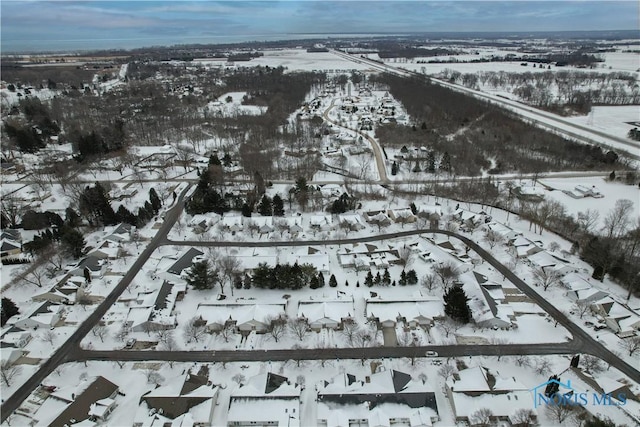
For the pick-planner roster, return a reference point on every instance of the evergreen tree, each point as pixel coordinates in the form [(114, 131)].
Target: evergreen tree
[(96, 207), (278, 205), (321, 281), (8, 309), (394, 168), (445, 163), (332, 281), (72, 242), (431, 161), (265, 207), (369, 279), (156, 203), (214, 160), (314, 284), (202, 276), (412, 277), (226, 160), (456, 306), (386, 277), (72, 219), (124, 215), (246, 210), (378, 279), (403, 279), (346, 283), (416, 168)]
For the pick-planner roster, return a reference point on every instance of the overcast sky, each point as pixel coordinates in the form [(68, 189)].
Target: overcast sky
[(61, 25)]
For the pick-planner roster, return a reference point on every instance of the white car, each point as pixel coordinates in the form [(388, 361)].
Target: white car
[(431, 353)]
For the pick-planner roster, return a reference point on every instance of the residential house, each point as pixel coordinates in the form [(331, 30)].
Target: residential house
[(414, 312), (321, 222), (92, 401), (353, 220), (96, 267), (9, 248), (267, 399), (326, 314), (403, 216), (15, 338), (185, 261), (487, 302), (244, 316), (155, 310), (385, 398), (476, 388), (45, 315), (187, 400)]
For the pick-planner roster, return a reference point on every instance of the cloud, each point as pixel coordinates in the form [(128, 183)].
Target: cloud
[(168, 21)]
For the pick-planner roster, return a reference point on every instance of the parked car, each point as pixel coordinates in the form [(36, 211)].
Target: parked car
[(431, 353), (130, 343)]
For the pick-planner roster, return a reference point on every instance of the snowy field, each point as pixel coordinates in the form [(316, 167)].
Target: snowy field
[(612, 192), (301, 60), (611, 119)]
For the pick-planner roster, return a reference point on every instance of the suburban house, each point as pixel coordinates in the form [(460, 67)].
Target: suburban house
[(267, 399), (544, 260), (15, 338), (524, 247), (431, 213), (45, 315), (232, 223), (326, 314), (403, 216), (56, 296), (487, 302), (9, 248), (414, 312), (184, 261), (155, 310), (187, 400), (244, 316), (95, 266), (378, 218), (321, 222), (92, 401), (582, 191), (476, 388), (385, 398), (353, 220)]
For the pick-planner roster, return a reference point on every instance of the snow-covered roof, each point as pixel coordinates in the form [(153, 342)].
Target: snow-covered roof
[(241, 313), (317, 310), (412, 309)]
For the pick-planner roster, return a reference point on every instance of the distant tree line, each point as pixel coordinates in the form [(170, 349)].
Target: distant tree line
[(472, 131)]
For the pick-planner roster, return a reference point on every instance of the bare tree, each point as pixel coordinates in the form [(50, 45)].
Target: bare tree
[(592, 364), (406, 255), (153, 376), (362, 339), (228, 266), (48, 336), (8, 372), (100, 331), (83, 299), (581, 307), (481, 417), (523, 360), (559, 412), (162, 335), (631, 345), (238, 378), (299, 327), (448, 273), (123, 333), (617, 220), (446, 370), (194, 329), (277, 327), (588, 220), (542, 366), (349, 329), (35, 273), (185, 155), (546, 277), (227, 331), (429, 282), (449, 325), (493, 238), (524, 418)]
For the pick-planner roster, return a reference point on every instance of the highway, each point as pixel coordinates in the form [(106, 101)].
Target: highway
[(550, 121)]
